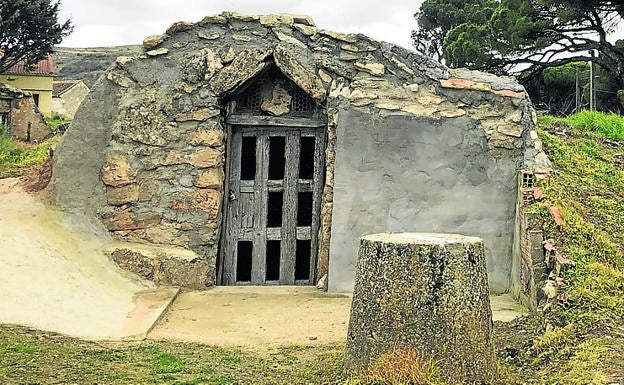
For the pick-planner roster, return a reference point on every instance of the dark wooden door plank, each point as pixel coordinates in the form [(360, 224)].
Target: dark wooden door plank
[(258, 265), (233, 214), (289, 213)]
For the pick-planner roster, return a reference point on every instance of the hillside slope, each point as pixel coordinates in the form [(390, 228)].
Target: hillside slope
[(88, 64), (579, 339)]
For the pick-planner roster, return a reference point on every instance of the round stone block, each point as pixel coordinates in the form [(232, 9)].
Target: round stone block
[(423, 291)]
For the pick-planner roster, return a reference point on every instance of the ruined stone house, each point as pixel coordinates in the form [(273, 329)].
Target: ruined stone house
[(266, 147), (20, 116)]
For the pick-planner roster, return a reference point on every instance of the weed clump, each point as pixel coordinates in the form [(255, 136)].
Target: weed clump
[(401, 366)]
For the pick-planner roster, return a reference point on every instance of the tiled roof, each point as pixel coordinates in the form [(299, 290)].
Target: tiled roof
[(44, 67), (60, 86)]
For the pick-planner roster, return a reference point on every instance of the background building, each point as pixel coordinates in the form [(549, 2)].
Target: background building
[(37, 80)]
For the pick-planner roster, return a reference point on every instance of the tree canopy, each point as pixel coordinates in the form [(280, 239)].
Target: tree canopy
[(533, 33), (437, 18), (29, 30)]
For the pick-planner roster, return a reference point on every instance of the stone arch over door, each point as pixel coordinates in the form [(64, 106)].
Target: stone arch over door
[(275, 167)]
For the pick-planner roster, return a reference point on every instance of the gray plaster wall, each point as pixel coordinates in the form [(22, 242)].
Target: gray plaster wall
[(400, 173), (79, 156)]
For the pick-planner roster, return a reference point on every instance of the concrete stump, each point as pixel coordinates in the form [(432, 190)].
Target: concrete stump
[(423, 291)]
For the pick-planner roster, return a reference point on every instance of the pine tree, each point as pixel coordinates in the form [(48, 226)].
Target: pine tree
[(29, 30)]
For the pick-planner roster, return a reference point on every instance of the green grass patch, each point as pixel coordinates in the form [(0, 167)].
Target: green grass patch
[(168, 363), (588, 187), (601, 124), (16, 156), (572, 343), (32, 357), (56, 120), (578, 364)]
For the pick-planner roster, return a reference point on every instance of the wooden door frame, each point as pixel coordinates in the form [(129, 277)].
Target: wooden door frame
[(294, 123)]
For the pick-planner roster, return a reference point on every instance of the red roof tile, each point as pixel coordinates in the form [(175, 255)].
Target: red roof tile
[(44, 67)]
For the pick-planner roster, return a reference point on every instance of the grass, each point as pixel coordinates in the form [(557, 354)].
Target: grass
[(578, 342), (56, 120), (16, 156), (588, 187), (404, 366), (600, 124), (33, 357)]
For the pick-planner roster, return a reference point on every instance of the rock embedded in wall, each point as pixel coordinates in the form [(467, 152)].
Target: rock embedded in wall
[(279, 104), (164, 266), (116, 170)]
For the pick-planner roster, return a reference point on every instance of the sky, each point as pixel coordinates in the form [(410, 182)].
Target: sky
[(100, 23)]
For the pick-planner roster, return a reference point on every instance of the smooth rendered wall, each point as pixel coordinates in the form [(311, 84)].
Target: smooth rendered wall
[(403, 174)]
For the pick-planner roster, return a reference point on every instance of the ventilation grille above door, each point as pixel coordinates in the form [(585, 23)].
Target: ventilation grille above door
[(273, 94)]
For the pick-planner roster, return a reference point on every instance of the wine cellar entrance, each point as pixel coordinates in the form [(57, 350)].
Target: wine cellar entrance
[(275, 181)]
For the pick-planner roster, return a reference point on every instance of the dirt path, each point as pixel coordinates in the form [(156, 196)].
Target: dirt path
[(56, 279)]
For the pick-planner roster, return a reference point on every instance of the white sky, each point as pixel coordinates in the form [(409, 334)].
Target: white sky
[(99, 23)]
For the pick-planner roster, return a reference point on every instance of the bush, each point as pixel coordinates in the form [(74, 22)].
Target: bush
[(56, 120)]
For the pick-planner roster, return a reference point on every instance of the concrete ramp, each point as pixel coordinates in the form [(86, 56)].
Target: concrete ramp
[(57, 279)]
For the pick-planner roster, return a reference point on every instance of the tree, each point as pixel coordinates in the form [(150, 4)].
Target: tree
[(540, 33), (436, 18), (29, 30), (555, 89), (525, 37)]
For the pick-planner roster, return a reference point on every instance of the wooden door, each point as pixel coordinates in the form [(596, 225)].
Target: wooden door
[(275, 184)]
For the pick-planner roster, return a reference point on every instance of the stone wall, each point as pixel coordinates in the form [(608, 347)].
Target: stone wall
[(154, 131), (537, 262), (26, 123), (450, 164)]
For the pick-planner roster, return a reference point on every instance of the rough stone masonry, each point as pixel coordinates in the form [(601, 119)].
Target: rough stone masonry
[(411, 145)]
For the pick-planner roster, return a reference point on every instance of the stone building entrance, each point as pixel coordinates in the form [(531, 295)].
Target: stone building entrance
[(259, 149), (275, 179)]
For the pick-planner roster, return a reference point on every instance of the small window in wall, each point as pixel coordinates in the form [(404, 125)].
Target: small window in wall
[(4, 118), (36, 99), (248, 158), (527, 179), (243, 263)]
